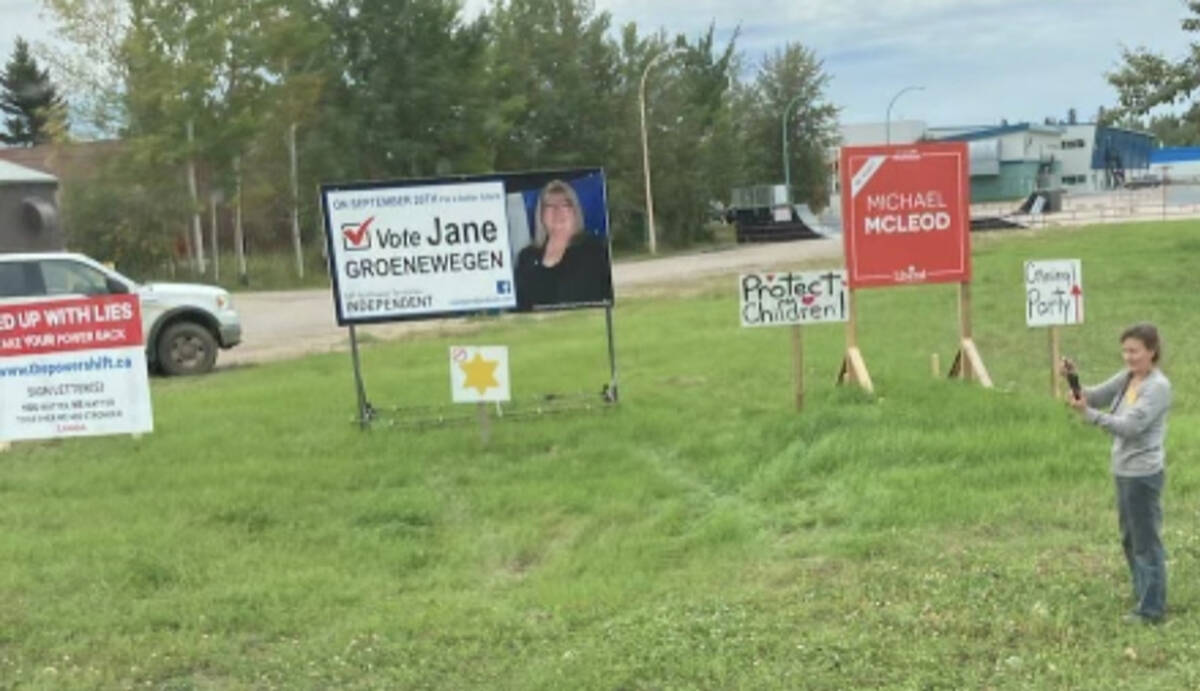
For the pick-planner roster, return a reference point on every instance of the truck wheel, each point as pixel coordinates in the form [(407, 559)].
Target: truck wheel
[(186, 348)]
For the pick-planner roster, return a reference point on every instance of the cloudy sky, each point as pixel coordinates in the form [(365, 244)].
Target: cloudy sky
[(979, 60)]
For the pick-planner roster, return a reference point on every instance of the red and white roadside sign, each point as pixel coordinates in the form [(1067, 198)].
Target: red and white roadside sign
[(73, 368), (906, 212)]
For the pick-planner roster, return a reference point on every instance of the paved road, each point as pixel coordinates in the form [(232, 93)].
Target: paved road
[(287, 324)]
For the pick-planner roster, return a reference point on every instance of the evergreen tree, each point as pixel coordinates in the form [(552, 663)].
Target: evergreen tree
[(30, 100)]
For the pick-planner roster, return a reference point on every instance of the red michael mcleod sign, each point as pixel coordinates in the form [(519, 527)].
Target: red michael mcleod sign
[(906, 212)]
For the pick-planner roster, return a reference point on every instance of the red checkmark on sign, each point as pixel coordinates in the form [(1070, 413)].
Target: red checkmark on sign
[(357, 238)]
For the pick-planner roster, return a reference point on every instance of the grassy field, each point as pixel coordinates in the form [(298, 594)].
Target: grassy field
[(700, 535)]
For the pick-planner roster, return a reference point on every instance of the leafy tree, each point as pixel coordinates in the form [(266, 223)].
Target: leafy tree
[(554, 75), (692, 135), (1175, 130), (791, 75), (89, 60), (411, 99), (1146, 81)]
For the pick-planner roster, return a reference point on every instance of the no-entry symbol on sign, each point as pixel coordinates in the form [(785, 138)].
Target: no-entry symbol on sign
[(907, 212)]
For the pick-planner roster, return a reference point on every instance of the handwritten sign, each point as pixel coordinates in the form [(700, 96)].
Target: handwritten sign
[(788, 298), (1053, 292)]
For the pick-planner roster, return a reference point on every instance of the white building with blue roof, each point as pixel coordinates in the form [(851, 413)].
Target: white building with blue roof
[(1176, 163)]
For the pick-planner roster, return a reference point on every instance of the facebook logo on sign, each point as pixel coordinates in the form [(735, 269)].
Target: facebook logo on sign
[(503, 287)]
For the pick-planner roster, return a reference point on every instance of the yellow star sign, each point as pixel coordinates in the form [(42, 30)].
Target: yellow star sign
[(481, 374)]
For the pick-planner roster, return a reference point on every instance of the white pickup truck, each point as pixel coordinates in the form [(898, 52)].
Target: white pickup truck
[(184, 323)]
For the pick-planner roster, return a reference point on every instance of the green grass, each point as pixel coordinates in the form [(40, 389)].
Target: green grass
[(701, 535)]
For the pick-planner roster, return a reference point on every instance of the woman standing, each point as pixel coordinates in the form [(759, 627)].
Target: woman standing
[(1133, 406)]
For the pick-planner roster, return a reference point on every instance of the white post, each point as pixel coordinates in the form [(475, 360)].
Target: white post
[(651, 239), (216, 252), (238, 237), (197, 234), (296, 244)]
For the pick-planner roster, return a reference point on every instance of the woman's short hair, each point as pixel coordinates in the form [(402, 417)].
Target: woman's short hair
[(556, 187), (1146, 333)]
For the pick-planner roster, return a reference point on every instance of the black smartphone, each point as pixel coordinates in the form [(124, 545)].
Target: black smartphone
[(1073, 381)]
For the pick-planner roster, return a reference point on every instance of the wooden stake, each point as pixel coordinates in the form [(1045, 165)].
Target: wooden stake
[(854, 368), (1055, 357), (977, 366), (485, 423), (968, 364), (798, 364), (964, 326)]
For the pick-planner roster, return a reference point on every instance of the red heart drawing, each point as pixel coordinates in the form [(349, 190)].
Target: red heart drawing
[(770, 277), (808, 299)]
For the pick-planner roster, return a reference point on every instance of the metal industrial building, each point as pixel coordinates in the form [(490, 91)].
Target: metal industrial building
[(1176, 163), (1010, 162), (1097, 158)]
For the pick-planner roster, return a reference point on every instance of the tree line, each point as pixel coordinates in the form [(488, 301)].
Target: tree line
[(244, 108)]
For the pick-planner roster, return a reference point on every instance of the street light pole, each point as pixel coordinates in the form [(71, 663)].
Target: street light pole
[(893, 102), (650, 236), (787, 163)]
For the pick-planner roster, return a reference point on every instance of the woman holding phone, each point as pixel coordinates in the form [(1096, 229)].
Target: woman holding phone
[(1132, 406)]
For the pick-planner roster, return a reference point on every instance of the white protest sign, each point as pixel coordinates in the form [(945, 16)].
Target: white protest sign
[(1053, 292), (790, 298), (71, 368), (479, 374), (407, 251)]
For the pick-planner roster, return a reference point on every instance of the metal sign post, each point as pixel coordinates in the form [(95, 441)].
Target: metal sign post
[(611, 393), (365, 412)]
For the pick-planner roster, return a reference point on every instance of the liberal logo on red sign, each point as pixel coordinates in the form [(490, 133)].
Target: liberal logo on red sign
[(906, 212)]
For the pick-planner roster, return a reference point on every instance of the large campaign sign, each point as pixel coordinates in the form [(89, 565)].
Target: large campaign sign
[(417, 249), (73, 368), (906, 211), (407, 251)]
